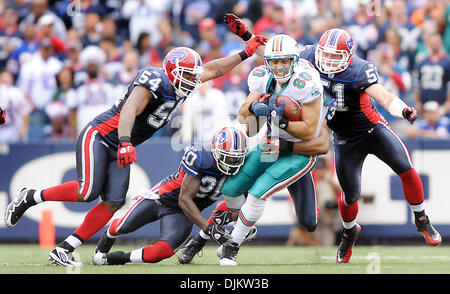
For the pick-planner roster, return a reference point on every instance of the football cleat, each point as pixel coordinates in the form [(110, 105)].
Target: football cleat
[(346, 246), (63, 257), (105, 243), (424, 227), (188, 252), (100, 258), (15, 210), (251, 234), (229, 253)]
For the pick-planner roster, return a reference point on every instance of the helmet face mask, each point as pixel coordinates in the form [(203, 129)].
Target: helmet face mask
[(229, 146), (334, 52), (279, 49), (183, 67)]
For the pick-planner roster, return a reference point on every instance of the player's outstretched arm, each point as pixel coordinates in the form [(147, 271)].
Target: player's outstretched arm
[(221, 66), (189, 189), (393, 104)]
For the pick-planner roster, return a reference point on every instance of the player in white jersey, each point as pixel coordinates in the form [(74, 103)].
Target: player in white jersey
[(263, 174)]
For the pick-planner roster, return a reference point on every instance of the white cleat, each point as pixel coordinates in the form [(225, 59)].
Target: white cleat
[(99, 259), (63, 257)]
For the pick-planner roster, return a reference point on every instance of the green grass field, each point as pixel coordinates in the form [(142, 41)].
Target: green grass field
[(252, 259)]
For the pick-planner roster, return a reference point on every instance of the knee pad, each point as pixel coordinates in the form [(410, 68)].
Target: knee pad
[(157, 252)]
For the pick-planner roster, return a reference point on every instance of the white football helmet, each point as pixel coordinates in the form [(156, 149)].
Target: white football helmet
[(281, 47)]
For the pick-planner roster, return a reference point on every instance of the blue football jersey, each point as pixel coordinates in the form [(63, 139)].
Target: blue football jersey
[(434, 76), (355, 113), (200, 164), (156, 114)]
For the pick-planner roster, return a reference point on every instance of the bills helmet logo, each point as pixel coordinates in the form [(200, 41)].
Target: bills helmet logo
[(221, 137), (175, 57), (350, 44)]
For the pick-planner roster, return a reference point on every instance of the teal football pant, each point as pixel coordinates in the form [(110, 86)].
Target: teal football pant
[(262, 178)]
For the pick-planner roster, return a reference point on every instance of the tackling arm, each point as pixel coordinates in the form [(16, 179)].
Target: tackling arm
[(189, 188), (393, 104), (315, 146)]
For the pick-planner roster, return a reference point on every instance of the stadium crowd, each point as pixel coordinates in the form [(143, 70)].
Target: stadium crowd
[(62, 62)]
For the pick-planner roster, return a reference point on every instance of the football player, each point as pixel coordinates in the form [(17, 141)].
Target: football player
[(303, 194), (265, 172), (106, 147), (178, 201), (359, 129)]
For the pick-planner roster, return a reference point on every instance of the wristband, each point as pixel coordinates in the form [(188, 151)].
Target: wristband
[(125, 139), (243, 55), (247, 36)]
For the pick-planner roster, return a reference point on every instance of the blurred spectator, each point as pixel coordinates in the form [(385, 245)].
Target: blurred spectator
[(193, 12), (362, 28), (295, 28), (17, 109), (23, 53), (167, 42), (144, 16), (109, 30), (45, 30), (73, 50), (235, 88), (203, 113), (95, 94), (59, 127), (37, 75), (40, 8), (208, 34), (9, 35), (65, 92), (21, 7), (279, 21), (266, 20), (114, 55), (299, 9), (126, 73), (148, 55), (402, 57), (432, 10), (92, 29), (432, 126), (434, 75)]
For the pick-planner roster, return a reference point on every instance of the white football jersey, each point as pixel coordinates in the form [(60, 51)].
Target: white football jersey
[(304, 87)]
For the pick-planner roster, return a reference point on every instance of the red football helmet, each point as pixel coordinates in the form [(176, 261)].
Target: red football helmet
[(334, 52), (183, 67), (229, 146)]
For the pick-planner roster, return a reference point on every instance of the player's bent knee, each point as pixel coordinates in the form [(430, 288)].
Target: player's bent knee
[(157, 252), (114, 228)]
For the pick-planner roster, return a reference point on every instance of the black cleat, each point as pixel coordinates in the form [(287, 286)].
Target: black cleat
[(104, 244), (18, 206), (346, 246), (188, 252), (424, 227), (229, 253)]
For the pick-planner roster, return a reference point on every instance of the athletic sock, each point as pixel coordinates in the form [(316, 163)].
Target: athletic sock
[(67, 192), (94, 221), (413, 191), (249, 214), (348, 212)]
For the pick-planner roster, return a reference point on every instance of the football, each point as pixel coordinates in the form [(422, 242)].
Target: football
[(292, 109)]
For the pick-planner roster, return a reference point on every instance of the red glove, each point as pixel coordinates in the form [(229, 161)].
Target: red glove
[(2, 116), (237, 26), (410, 114), (126, 154), (253, 44)]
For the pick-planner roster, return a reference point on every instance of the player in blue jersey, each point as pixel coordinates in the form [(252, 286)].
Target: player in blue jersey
[(106, 146), (178, 201), (359, 129)]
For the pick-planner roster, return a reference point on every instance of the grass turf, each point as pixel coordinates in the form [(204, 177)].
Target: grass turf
[(252, 259)]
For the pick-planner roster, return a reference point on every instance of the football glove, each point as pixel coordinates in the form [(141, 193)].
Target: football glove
[(218, 233), (277, 112), (222, 217), (260, 109), (410, 114), (252, 45), (237, 26), (126, 154), (2, 116)]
